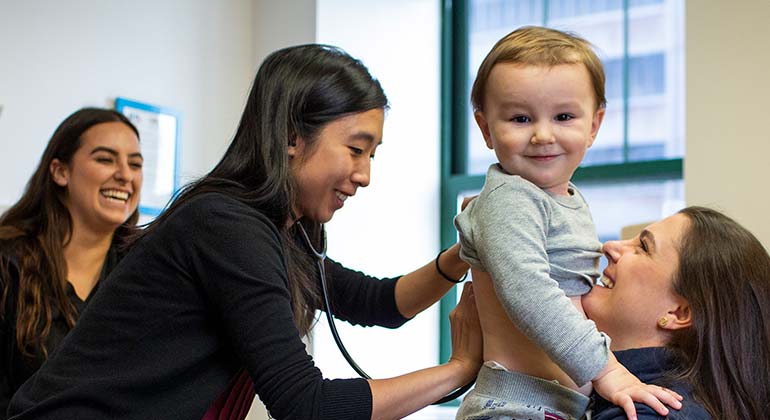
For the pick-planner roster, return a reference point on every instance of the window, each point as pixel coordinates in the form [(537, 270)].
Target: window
[(633, 172)]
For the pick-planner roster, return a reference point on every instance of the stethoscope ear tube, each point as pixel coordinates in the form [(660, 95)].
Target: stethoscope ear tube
[(320, 257), (333, 327)]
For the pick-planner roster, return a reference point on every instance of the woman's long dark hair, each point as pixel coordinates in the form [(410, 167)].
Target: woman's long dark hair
[(296, 92), (724, 273), (35, 231)]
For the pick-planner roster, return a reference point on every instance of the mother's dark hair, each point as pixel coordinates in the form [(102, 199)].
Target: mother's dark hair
[(296, 92), (37, 227), (724, 273)]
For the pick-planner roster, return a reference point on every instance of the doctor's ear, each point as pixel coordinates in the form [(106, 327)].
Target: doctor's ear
[(294, 145), (59, 172)]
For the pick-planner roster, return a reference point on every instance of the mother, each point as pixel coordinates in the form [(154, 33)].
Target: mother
[(222, 280), (688, 307)]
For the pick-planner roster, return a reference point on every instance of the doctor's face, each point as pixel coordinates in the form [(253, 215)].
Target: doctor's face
[(331, 169)]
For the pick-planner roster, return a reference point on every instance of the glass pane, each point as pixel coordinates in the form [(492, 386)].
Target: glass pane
[(652, 127), (655, 80), (633, 3), (490, 20), (601, 24), (608, 147), (615, 205), (558, 9)]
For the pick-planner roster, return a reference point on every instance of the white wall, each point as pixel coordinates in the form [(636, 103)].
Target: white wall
[(196, 56), (281, 24), (55, 57), (727, 91), (391, 227)]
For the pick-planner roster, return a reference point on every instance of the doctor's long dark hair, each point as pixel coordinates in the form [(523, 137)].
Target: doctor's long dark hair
[(297, 91)]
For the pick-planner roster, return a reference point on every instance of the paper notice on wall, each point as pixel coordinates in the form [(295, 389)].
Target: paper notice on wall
[(157, 139)]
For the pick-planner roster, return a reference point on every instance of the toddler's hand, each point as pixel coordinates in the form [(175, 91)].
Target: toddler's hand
[(618, 386)]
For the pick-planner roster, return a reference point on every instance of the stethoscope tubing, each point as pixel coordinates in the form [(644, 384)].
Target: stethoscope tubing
[(320, 258)]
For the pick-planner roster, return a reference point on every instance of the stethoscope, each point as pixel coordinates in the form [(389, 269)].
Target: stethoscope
[(320, 258)]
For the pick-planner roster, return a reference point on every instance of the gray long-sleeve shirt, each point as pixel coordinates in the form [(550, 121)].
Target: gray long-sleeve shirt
[(538, 248)]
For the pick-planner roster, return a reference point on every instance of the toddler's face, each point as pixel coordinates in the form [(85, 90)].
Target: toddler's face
[(540, 121)]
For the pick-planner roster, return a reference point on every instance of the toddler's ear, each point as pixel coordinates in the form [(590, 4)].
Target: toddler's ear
[(482, 123), (596, 122)]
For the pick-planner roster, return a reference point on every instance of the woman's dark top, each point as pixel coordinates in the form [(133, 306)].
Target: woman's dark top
[(651, 365), (16, 367), (195, 300)]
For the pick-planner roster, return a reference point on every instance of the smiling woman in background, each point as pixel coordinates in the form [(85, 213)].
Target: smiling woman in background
[(59, 240)]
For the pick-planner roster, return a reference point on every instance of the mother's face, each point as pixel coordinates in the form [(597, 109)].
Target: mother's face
[(639, 307)]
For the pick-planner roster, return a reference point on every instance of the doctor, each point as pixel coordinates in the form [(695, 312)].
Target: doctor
[(223, 279)]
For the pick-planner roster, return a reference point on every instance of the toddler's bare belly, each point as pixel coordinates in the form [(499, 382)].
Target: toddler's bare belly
[(505, 344)]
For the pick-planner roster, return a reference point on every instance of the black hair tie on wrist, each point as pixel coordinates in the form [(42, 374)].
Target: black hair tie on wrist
[(447, 278)]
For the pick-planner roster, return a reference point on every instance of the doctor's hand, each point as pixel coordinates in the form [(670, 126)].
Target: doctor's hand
[(466, 334)]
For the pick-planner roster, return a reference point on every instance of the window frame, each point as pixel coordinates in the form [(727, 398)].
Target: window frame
[(455, 18)]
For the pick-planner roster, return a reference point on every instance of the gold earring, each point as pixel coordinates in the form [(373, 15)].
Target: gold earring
[(663, 321)]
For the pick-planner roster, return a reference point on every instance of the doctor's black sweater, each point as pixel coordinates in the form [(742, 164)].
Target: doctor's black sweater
[(201, 296)]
